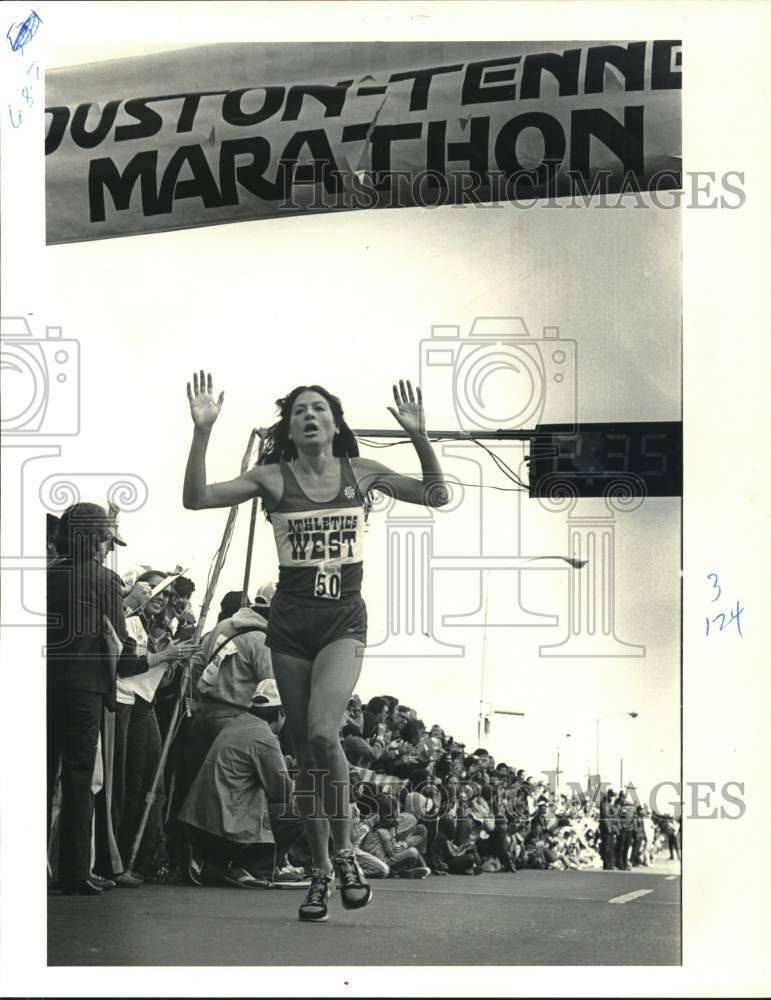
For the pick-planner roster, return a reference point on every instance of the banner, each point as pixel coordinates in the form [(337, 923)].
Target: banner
[(129, 151)]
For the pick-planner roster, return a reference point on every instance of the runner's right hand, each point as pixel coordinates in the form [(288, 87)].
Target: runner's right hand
[(203, 408)]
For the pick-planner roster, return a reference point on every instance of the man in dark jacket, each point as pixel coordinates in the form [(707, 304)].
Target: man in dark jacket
[(85, 630)]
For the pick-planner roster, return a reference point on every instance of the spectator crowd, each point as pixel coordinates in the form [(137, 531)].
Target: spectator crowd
[(130, 678)]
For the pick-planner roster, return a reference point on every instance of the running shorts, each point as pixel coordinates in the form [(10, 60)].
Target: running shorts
[(303, 628)]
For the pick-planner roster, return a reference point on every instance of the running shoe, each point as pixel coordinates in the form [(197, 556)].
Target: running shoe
[(321, 888), (355, 891)]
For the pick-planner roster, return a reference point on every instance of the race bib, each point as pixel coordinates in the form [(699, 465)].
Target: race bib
[(328, 581)]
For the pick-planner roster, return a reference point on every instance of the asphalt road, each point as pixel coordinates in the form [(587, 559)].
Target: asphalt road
[(527, 918)]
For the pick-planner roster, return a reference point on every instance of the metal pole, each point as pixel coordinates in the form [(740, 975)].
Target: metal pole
[(250, 542), (219, 562), (480, 726)]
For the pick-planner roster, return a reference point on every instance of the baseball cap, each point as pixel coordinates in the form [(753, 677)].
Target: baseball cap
[(266, 695), (78, 518)]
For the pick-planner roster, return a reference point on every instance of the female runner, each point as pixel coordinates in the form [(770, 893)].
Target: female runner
[(314, 486)]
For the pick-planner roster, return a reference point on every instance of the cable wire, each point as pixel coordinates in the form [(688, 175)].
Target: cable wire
[(502, 466)]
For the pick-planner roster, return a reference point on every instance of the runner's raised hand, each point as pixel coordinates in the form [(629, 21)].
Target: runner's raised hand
[(409, 408), (203, 408)]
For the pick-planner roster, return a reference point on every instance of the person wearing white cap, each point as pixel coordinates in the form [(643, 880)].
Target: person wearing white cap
[(240, 799)]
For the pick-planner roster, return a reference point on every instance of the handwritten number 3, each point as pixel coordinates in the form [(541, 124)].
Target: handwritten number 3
[(715, 586)]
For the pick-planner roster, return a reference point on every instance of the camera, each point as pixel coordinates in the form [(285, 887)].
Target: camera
[(499, 377), (41, 380)]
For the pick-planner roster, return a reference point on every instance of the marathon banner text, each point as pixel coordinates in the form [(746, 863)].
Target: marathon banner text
[(534, 123)]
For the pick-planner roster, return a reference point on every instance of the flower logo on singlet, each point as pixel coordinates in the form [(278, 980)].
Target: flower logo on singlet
[(349, 492)]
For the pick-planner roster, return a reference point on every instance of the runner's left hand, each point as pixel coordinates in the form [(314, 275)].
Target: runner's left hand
[(409, 408)]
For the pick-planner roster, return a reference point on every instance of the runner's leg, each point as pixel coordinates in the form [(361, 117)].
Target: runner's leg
[(336, 670), (293, 678)]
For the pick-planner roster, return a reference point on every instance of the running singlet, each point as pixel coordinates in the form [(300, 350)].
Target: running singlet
[(320, 545)]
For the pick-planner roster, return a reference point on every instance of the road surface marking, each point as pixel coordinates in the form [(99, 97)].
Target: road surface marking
[(629, 896), (521, 895), (670, 877)]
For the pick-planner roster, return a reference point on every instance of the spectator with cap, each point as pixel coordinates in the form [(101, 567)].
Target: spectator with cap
[(87, 646), (239, 806)]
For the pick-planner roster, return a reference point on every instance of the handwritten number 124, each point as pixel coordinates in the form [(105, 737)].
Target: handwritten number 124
[(721, 619)]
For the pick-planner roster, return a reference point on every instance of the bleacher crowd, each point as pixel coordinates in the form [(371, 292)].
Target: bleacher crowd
[(127, 680)]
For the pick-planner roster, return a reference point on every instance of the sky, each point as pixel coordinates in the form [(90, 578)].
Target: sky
[(345, 301)]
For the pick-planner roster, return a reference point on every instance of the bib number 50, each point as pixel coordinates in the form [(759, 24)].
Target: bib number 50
[(328, 584)]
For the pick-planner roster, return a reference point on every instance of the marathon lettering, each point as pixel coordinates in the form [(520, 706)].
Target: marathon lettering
[(216, 155)]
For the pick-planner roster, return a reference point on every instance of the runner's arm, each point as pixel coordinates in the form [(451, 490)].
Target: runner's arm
[(430, 490), (197, 494)]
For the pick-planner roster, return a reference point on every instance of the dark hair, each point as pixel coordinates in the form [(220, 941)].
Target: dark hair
[(183, 587), (278, 446), (376, 705), (229, 604), (148, 575), (410, 732)]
